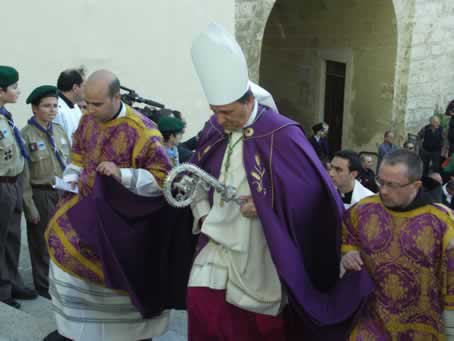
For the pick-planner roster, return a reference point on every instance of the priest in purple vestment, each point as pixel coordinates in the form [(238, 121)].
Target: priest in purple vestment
[(268, 270)]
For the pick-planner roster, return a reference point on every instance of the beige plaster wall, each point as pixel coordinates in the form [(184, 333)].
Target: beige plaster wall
[(146, 43)]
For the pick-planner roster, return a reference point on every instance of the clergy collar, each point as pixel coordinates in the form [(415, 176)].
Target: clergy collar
[(265, 121), (446, 193), (66, 99), (346, 197), (121, 112)]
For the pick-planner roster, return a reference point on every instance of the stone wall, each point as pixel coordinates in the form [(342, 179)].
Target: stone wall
[(301, 35), (431, 74), (251, 17), (250, 28)]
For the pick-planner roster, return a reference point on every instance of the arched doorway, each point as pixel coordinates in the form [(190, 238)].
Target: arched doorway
[(333, 61)]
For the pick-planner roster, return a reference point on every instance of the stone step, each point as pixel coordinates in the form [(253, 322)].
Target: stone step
[(30, 323)]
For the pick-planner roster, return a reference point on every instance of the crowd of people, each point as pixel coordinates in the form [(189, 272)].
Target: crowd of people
[(322, 247), (432, 144)]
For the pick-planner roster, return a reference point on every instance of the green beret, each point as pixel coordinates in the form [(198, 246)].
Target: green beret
[(41, 92), (170, 124), (8, 76)]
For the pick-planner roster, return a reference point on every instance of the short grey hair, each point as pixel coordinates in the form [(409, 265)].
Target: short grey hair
[(434, 117), (365, 157), (408, 158)]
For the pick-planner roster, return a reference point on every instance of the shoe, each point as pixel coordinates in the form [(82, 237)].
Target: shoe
[(54, 336), (12, 303), (44, 294), (24, 293)]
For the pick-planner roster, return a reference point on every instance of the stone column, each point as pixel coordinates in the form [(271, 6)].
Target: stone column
[(251, 17)]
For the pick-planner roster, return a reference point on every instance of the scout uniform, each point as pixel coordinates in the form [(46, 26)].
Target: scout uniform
[(49, 150), (12, 158)]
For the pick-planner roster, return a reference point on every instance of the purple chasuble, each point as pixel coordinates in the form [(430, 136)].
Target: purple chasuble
[(301, 215)]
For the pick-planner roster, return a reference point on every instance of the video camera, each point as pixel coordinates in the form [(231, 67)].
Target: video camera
[(131, 97), (153, 110)]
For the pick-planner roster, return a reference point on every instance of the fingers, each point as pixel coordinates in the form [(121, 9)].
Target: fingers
[(105, 168), (450, 244), (246, 197), (248, 210), (34, 220), (352, 261), (102, 168)]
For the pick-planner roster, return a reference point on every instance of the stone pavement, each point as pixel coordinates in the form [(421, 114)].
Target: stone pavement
[(35, 319)]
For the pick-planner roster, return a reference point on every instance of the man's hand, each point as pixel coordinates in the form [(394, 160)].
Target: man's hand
[(248, 208), (450, 245), (352, 261), (110, 169), (34, 220)]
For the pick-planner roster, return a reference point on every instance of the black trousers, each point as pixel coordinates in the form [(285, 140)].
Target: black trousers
[(431, 161)]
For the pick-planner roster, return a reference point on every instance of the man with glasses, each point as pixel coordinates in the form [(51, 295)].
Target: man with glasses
[(405, 241)]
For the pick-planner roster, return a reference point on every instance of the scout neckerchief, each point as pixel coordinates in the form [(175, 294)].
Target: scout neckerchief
[(50, 136), (17, 136), (172, 153)]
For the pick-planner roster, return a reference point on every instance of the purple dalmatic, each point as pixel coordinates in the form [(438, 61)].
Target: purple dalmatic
[(144, 245), (301, 216)]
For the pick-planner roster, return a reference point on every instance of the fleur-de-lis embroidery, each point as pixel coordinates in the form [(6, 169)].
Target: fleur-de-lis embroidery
[(201, 154), (257, 174)]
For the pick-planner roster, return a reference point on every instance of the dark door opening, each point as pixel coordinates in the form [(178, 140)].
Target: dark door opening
[(334, 102)]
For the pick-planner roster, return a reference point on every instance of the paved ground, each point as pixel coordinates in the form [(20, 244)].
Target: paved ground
[(35, 319)]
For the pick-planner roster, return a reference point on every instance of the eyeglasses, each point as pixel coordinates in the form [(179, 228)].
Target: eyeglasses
[(392, 185)]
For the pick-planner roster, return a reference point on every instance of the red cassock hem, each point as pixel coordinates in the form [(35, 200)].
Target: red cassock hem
[(211, 318)]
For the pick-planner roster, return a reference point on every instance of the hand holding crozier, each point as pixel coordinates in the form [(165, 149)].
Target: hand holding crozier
[(182, 182)]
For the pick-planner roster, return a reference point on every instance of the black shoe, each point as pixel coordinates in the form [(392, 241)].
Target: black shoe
[(54, 336), (12, 303), (24, 293), (44, 294)]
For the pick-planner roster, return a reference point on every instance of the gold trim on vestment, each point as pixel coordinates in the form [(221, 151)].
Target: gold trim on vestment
[(55, 227)]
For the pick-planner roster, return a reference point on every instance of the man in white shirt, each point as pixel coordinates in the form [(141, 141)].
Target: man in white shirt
[(69, 84), (345, 167)]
